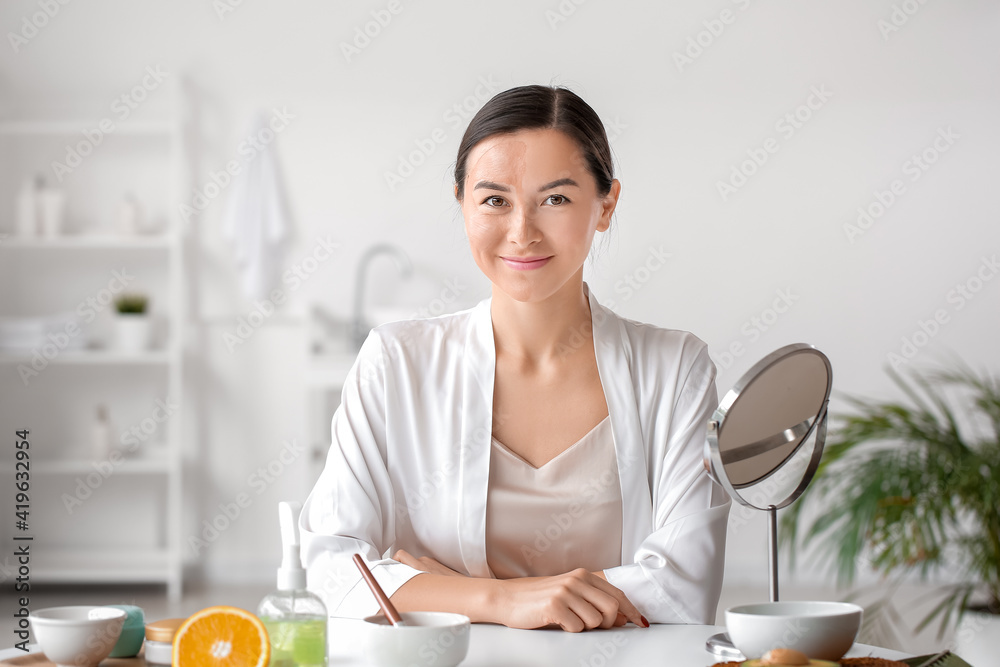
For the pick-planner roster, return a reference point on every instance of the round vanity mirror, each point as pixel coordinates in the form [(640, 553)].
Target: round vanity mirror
[(765, 442), (766, 438)]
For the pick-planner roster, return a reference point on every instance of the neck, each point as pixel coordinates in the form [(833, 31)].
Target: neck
[(543, 330)]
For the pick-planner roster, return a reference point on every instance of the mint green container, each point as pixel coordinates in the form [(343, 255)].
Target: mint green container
[(133, 632)]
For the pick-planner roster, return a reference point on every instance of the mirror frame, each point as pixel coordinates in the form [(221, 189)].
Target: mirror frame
[(713, 459)]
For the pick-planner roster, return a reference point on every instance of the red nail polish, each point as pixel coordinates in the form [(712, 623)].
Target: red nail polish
[(644, 621)]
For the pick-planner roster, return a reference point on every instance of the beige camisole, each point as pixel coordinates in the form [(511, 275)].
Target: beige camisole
[(561, 516)]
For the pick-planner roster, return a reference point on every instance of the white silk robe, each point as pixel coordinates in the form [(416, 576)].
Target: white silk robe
[(409, 463)]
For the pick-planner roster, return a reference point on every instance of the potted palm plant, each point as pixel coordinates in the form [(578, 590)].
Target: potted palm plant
[(913, 489), (132, 326)]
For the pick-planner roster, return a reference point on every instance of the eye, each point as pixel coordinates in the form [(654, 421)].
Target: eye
[(556, 200), (494, 201)]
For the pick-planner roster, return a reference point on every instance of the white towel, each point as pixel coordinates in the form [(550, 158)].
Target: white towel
[(256, 220)]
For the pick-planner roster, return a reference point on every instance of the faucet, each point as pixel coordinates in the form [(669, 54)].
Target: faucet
[(359, 329)]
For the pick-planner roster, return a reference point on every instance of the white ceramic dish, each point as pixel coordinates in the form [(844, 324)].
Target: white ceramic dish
[(821, 630), (428, 638), (77, 636)]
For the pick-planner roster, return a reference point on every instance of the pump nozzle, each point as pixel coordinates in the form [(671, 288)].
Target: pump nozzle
[(291, 575)]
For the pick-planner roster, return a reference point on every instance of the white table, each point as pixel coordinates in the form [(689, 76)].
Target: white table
[(498, 646)]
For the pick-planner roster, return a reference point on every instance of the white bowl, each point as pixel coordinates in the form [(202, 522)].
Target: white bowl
[(428, 638), (821, 630), (77, 636)]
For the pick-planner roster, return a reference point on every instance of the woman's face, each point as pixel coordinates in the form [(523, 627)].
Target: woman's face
[(531, 208)]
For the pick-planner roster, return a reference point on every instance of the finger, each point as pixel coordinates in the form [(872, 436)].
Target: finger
[(406, 559), (620, 620), (435, 567), (589, 615), (570, 621), (624, 604), (602, 603)]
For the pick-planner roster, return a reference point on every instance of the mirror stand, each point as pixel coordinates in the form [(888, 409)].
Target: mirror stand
[(772, 550), (762, 425)]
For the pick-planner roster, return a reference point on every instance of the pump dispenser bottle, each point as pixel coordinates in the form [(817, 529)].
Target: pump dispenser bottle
[(295, 618)]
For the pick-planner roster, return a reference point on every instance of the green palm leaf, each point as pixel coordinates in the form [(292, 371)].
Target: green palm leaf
[(911, 487)]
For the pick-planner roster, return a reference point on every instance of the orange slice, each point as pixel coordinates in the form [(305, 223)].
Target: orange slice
[(222, 636)]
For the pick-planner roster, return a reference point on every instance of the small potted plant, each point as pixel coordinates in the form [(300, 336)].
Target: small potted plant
[(132, 326), (913, 489)]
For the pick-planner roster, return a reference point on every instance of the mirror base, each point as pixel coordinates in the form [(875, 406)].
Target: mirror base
[(722, 648)]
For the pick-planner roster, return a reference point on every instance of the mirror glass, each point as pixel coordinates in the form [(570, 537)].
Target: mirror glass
[(767, 435)]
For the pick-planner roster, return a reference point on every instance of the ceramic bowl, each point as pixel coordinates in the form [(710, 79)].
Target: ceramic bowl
[(821, 630), (77, 636), (428, 638)]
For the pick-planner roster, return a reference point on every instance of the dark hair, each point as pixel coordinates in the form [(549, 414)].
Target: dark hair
[(540, 107)]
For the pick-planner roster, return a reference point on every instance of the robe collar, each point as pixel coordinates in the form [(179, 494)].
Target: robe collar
[(613, 352)]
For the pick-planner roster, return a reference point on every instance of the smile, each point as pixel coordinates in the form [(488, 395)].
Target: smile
[(526, 263)]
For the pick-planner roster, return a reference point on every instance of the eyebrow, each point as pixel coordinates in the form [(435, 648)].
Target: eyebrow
[(490, 185)]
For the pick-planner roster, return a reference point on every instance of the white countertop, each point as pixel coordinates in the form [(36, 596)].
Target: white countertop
[(499, 646)]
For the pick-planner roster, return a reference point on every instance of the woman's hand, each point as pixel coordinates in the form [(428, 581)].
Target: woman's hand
[(575, 601), (425, 563)]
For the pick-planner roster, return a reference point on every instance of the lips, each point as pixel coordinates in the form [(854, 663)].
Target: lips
[(525, 263)]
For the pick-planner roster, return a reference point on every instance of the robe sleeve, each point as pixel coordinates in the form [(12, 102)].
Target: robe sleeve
[(676, 576), (351, 508)]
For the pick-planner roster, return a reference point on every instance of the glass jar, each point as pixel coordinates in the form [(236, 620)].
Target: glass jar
[(160, 641)]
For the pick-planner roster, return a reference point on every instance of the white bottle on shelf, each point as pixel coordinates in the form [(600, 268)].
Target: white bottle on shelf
[(51, 204), (27, 209), (101, 442)]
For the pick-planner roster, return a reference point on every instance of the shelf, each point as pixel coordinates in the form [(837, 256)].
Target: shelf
[(63, 128), (93, 358), (104, 565), (128, 466), (87, 241)]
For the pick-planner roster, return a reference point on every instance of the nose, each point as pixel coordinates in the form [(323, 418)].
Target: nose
[(521, 230)]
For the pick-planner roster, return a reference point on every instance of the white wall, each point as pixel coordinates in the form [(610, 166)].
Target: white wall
[(677, 131)]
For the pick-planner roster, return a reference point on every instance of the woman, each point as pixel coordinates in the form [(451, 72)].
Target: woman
[(534, 460)]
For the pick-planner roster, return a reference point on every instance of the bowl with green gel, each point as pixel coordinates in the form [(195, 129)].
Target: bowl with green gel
[(133, 632)]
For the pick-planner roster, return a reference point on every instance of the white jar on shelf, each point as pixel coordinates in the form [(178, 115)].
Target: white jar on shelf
[(27, 209), (51, 204), (130, 220)]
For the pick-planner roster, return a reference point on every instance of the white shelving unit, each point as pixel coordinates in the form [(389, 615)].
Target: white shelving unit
[(161, 563)]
